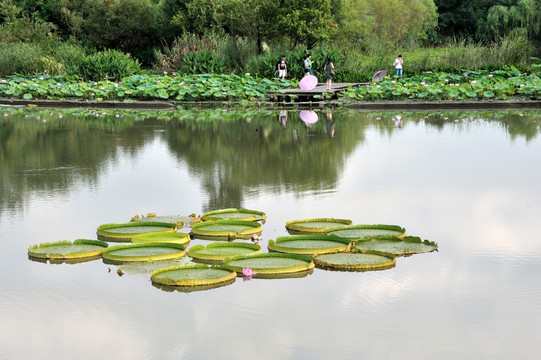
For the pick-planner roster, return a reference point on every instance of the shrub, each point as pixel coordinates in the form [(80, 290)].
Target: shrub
[(106, 65)]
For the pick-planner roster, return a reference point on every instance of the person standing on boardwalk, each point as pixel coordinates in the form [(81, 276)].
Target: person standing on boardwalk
[(398, 65), (329, 73), (282, 68), (308, 65)]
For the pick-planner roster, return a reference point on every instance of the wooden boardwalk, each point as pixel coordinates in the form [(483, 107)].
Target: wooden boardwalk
[(316, 94)]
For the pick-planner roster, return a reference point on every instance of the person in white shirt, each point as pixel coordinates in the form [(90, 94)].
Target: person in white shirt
[(398, 65)]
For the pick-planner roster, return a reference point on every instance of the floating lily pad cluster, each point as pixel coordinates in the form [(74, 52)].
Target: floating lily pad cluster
[(325, 243)]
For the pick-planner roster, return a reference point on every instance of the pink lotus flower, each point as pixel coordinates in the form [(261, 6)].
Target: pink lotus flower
[(248, 272)]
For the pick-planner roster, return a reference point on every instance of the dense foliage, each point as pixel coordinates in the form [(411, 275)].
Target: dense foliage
[(470, 85), (110, 39), (144, 87), (509, 83)]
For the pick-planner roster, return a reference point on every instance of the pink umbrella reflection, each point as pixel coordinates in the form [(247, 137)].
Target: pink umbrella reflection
[(308, 116), (308, 82)]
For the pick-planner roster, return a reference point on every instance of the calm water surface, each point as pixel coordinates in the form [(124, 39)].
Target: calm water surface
[(468, 181)]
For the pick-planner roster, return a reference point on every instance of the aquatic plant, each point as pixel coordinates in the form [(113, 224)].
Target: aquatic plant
[(308, 244), (218, 251), (125, 231), (65, 249), (162, 236), (315, 226), (355, 260), (226, 229), (193, 275), (391, 244), (356, 232), (234, 214), (468, 85), (269, 263), (143, 87), (144, 252)]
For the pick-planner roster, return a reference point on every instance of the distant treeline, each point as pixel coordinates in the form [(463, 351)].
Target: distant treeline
[(232, 35)]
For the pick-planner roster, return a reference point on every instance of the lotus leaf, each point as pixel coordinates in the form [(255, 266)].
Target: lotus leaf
[(356, 260), (217, 252), (226, 229), (192, 275), (308, 244), (234, 214), (125, 231), (315, 226), (80, 248), (391, 244), (160, 236), (356, 232), (270, 263), (144, 252)]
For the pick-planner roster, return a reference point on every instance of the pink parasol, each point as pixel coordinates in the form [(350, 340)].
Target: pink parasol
[(308, 82), (379, 75), (308, 116)]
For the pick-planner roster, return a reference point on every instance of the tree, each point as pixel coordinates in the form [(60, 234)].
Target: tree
[(383, 25), (306, 24), (502, 20)]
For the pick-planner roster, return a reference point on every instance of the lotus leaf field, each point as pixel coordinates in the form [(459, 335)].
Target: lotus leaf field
[(288, 256), (469, 85), (508, 83)]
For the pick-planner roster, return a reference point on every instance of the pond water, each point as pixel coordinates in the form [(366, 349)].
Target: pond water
[(468, 181)]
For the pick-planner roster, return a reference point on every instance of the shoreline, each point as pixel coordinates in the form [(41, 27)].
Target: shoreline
[(361, 106)]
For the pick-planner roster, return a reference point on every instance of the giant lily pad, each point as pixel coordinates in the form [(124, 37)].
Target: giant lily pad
[(226, 229), (178, 220), (189, 289), (192, 275), (144, 252), (308, 244), (125, 231), (234, 214), (356, 232), (314, 226), (391, 244), (161, 236), (270, 263), (217, 252), (356, 260), (80, 248), (147, 267)]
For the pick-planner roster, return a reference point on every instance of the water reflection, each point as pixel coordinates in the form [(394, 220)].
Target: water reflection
[(469, 181), (46, 151)]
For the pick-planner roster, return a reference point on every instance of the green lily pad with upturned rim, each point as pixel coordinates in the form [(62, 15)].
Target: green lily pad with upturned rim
[(178, 220), (192, 275), (65, 249), (308, 244), (226, 229), (315, 226), (270, 263), (356, 260), (189, 289), (234, 214), (409, 245), (218, 251), (125, 231), (357, 232), (161, 236), (144, 252)]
